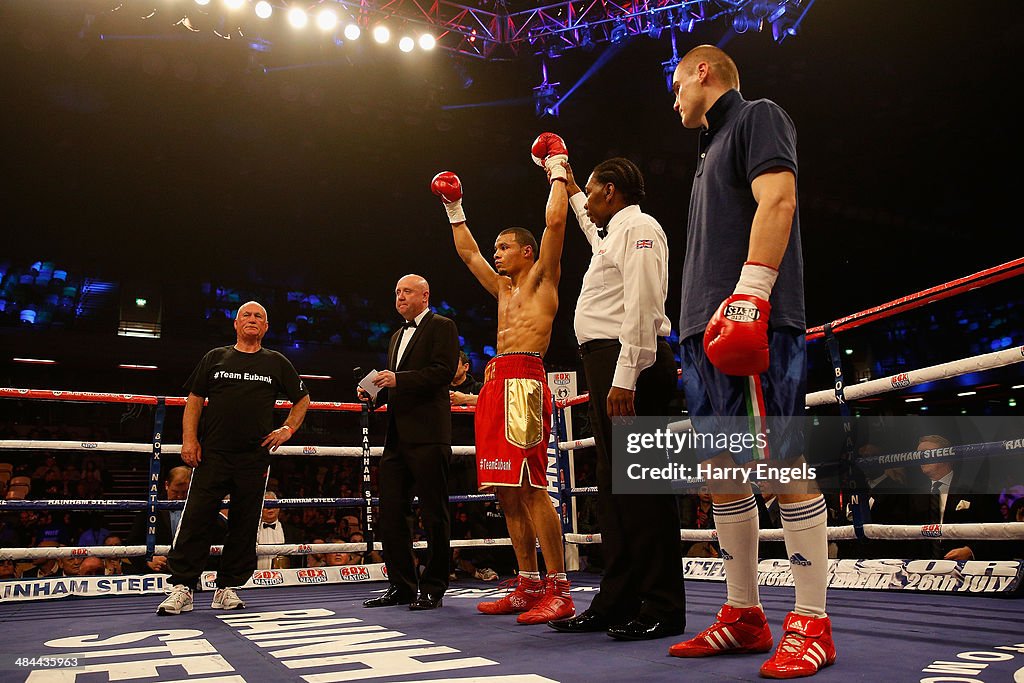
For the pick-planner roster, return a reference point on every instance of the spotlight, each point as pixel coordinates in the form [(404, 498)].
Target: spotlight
[(381, 34), (202, 3), (264, 9), (326, 20), (742, 23), (297, 17), (655, 27), (233, 4), (761, 8), (406, 44), (427, 42), (619, 31), (785, 22), (586, 39), (352, 32)]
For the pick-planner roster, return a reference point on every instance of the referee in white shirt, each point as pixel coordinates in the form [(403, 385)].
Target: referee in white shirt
[(620, 324)]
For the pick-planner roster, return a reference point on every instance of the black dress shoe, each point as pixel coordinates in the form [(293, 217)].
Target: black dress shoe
[(588, 622), (426, 601), (390, 598), (642, 628)]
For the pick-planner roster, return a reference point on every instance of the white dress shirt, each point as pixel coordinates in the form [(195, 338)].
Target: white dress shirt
[(944, 484), (407, 333), (267, 536), (624, 289)]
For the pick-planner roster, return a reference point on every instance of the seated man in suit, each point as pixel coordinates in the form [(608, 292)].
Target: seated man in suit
[(273, 531), (176, 488), (957, 496)]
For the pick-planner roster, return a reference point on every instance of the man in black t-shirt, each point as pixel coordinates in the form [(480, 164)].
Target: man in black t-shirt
[(230, 452)]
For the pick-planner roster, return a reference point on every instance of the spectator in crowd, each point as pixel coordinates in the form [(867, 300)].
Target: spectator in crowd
[(957, 496), (316, 559), (53, 528), (338, 559), (96, 534), (273, 531), (371, 557), (113, 566), (464, 387), (8, 570), (91, 566), (166, 522), (44, 567), (696, 512)]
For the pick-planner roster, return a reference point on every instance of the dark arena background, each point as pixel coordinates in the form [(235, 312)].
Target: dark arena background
[(165, 161)]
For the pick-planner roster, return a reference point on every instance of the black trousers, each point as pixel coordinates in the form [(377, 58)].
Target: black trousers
[(643, 572), (244, 477), (405, 471)]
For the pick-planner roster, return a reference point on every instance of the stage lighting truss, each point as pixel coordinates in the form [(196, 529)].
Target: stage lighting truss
[(490, 29)]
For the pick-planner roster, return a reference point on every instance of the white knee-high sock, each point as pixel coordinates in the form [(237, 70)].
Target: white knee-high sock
[(737, 526), (804, 526)]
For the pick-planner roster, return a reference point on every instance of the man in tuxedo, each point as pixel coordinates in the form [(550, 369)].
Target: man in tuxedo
[(165, 524), (273, 531), (422, 358), (957, 496)]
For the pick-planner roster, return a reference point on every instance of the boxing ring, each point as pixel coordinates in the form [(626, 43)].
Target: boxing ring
[(308, 623)]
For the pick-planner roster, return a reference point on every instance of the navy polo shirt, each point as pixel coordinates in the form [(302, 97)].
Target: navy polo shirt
[(743, 140)]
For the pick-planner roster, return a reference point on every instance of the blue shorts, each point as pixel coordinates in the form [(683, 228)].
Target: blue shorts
[(720, 404)]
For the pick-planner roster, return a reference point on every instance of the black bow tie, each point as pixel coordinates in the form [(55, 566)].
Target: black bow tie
[(602, 232), (269, 526), (409, 323)]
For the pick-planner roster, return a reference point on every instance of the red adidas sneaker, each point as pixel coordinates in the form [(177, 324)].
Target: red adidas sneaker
[(806, 646), (556, 603), (523, 594), (736, 630)]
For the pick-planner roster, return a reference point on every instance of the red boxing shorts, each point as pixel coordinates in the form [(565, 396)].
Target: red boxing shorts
[(513, 420)]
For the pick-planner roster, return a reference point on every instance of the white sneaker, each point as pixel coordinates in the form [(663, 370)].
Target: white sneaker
[(178, 600), (226, 598)]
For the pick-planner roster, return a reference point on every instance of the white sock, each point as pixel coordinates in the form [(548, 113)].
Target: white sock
[(804, 526), (532, 576), (737, 527)]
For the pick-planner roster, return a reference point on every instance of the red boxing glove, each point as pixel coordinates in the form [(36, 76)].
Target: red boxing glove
[(549, 151), (736, 338), (448, 187)]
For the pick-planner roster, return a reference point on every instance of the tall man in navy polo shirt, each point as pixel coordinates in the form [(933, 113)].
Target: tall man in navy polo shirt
[(742, 331)]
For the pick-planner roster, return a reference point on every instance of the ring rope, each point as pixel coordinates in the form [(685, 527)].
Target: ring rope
[(910, 302)]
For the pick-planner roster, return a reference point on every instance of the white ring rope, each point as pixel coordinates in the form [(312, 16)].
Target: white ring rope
[(107, 551), (989, 531), (120, 447), (902, 380)]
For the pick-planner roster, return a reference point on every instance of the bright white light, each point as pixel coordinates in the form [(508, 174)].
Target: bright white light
[(381, 34), (1017, 386), (427, 42), (297, 17), (913, 400), (352, 32), (264, 9), (406, 44), (203, 2), (233, 4), (967, 393), (327, 20), (136, 366), (35, 361)]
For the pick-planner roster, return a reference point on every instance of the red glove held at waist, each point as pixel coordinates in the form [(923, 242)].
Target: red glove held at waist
[(736, 338)]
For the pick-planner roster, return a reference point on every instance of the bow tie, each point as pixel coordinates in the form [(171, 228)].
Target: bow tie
[(409, 323), (602, 232), (269, 526)]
